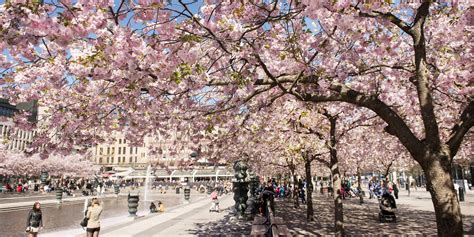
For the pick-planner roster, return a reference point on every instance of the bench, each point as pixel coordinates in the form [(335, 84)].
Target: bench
[(269, 225)]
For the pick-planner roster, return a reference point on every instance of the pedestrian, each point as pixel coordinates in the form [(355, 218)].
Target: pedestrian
[(372, 187), (214, 202), (34, 221), (408, 184), (161, 206), (395, 190), (268, 195), (153, 208), (93, 214), (19, 188)]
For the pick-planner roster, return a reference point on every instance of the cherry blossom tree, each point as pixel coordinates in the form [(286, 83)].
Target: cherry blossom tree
[(144, 67), (393, 59), (21, 164)]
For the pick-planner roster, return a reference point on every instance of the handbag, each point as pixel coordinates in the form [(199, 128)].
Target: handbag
[(84, 222), (28, 229)]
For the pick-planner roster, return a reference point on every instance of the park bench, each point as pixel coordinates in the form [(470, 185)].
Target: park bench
[(270, 225)]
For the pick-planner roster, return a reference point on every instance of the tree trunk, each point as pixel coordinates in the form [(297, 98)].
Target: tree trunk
[(295, 192), (440, 185), (336, 181), (336, 184), (359, 180), (309, 191)]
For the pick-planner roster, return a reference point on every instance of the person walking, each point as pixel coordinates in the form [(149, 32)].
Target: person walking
[(395, 190), (93, 214), (408, 184), (214, 202), (34, 221)]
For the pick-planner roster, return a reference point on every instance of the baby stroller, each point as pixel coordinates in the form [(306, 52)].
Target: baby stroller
[(388, 207)]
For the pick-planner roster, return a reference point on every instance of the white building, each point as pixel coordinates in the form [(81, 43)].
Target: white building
[(15, 139)]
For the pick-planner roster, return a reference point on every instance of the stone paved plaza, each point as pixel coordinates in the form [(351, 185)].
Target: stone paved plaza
[(415, 217)]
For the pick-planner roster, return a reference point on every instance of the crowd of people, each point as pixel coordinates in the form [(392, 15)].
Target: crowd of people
[(377, 188)]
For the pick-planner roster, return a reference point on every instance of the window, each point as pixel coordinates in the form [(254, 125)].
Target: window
[(131, 150), (136, 150), (107, 159), (120, 150), (135, 159), (113, 150), (120, 141), (100, 160), (108, 150), (101, 151), (130, 159), (112, 160)]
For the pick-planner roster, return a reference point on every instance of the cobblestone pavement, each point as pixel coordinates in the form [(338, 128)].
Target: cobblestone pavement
[(415, 216)]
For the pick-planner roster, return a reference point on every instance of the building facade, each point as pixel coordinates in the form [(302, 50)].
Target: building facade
[(171, 152), (16, 139)]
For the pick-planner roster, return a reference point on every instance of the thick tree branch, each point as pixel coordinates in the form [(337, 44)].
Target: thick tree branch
[(387, 170), (422, 78), (466, 122), (323, 161), (387, 16), (396, 124)]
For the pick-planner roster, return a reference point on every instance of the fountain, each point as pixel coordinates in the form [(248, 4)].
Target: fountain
[(147, 184), (134, 199)]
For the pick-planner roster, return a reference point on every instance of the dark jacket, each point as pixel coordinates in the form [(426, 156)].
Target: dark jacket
[(34, 219)]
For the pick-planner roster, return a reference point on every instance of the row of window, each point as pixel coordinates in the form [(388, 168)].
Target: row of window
[(121, 150), (6, 112), (111, 160), (19, 140), (5, 131)]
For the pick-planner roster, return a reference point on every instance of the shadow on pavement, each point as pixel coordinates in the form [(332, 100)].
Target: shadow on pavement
[(358, 220), (226, 226), (361, 219)]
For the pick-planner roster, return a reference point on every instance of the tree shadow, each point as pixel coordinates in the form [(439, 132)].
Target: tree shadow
[(229, 225), (362, 219), (358, 220)]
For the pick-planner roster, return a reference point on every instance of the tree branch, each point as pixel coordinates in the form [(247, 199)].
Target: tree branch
[(387, 16), (460, 129), (396, 125), (323, 161)]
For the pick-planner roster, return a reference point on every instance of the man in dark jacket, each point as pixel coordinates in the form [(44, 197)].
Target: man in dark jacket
[(268, 194)]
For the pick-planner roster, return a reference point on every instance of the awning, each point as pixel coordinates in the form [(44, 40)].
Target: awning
[(121, 174)]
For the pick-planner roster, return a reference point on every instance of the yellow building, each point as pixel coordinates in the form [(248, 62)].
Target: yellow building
[(122, 155)]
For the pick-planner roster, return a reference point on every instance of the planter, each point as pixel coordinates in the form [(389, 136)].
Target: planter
[(133, 204)]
